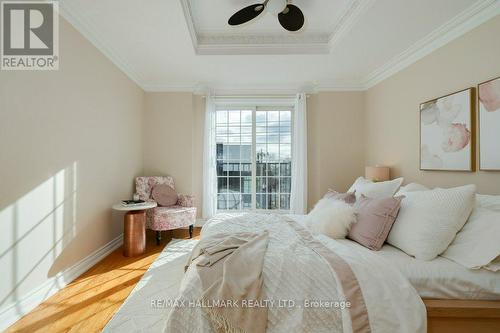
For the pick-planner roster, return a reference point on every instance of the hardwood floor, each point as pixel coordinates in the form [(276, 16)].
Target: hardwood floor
[(89, 302)]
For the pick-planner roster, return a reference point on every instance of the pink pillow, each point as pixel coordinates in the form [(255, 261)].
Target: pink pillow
[(164, 195), (348, 198), (375, 220)]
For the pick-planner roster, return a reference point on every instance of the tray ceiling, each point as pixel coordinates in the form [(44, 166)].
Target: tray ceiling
[(185, 45), (325, 20)]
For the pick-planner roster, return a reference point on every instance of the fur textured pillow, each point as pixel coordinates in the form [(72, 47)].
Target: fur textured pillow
[(349, 197), (332, 218)]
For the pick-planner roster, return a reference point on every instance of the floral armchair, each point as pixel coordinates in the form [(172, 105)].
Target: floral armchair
[(183, 214)]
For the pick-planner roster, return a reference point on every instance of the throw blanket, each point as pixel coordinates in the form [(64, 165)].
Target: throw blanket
[(305, 289), (230, 270)]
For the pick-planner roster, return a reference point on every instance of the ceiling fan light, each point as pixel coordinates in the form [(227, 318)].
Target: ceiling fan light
[(276, 6)]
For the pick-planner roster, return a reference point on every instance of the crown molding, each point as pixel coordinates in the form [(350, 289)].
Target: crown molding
[(168, 88), (338, 87), (71, 14), (348, 20), (464, 22), (203, 89)]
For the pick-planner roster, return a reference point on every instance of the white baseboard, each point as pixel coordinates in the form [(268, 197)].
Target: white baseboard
[(13, 312)]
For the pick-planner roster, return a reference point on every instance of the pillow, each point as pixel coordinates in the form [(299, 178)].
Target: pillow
[(332, 218), (349, 197), (493, 266), (375, 219), (164, 195), (375, 190), (412, 187), (429, 220), (488, 201), (478, 243)]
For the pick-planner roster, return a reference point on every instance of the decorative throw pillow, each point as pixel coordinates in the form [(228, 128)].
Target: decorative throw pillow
[(478, 243), (330, 217), (375, 219), (164, 195), (412, 187), (429, 220), (349, 197), (375, 190)]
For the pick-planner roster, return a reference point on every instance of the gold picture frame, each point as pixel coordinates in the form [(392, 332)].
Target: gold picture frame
[(490, 123), (448, 132)]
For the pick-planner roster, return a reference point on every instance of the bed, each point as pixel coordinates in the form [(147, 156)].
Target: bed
[(457, 299), (439, 278), (293, 271), (440, 283)]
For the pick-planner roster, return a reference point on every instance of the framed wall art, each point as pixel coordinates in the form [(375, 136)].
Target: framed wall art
[(489, 124), (447, 132)]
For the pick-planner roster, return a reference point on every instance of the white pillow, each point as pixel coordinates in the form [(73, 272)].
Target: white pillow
[(488, 201), (493, 266), (376, 190), (412, 187), (478, 243), (429, 220), (332, 218)]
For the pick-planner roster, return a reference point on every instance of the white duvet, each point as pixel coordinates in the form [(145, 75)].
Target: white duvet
[(296, 279)]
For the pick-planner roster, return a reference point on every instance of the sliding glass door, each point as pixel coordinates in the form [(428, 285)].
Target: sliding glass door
[(254, 146)]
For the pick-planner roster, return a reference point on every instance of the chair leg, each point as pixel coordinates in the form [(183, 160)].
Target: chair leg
[(158, 237), (191, 231)]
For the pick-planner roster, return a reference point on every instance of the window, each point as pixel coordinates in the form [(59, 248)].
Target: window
[(254, 148)]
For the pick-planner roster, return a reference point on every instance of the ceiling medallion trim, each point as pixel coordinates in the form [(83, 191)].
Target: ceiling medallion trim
[(312, 43)]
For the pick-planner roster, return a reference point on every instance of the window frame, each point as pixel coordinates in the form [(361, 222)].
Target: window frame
[(254, 106)]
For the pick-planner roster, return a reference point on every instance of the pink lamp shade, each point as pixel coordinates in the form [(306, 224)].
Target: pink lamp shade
[(377, 173)]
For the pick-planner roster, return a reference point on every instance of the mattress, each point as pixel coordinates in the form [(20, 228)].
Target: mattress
[(439, 278)]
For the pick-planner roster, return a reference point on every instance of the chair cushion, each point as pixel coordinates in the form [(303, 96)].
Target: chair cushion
[(167, 218), (164, 195)]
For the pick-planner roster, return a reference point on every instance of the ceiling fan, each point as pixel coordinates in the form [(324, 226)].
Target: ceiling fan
[(290, 16)]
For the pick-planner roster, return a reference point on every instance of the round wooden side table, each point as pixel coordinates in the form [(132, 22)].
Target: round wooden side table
[(134, 228)]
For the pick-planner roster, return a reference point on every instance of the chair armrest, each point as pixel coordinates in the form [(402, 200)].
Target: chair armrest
[(185, 200)]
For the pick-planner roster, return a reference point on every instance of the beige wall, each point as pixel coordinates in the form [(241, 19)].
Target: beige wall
[(173, 140), (392, 118), (335, 141), (70, 145)]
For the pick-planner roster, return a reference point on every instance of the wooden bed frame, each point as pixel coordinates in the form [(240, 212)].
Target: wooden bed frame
[(457, 316)]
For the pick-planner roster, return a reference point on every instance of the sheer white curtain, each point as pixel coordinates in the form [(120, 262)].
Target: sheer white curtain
[(298, 198), (209, 161)]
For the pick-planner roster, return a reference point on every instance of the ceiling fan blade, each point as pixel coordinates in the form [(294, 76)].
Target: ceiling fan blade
[(247, 14), (292, 18)]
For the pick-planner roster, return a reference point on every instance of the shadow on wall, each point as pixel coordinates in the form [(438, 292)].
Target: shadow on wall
[(34, 231)]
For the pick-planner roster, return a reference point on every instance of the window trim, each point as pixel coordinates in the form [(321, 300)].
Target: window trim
[(257, 105)]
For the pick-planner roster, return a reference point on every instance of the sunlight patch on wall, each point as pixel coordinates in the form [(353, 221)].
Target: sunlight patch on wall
[(34, 231)]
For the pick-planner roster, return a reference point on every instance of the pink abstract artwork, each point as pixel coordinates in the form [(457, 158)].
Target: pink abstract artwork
[(446, 133), (489, 125)]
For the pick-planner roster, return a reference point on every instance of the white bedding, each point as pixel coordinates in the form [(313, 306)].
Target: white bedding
[(443, 278), (440, 277), (292, 271)]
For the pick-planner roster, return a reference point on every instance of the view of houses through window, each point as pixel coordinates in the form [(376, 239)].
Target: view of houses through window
[(254, 158)]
